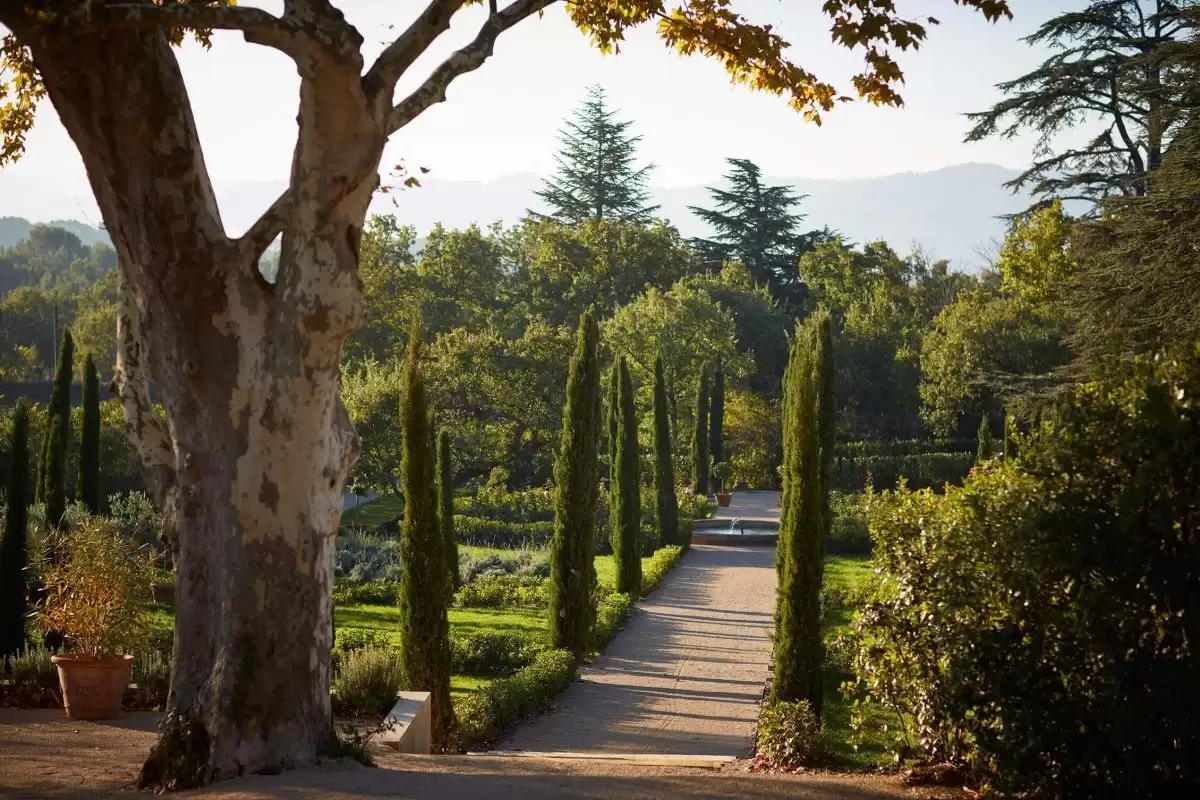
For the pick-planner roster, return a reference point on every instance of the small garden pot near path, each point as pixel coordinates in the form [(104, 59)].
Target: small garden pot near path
[(92, 688), (724, 499)]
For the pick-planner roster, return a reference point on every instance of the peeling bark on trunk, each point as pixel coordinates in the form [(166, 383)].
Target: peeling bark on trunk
[(258, 446)]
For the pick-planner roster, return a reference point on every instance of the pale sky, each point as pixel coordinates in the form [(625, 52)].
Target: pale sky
[(503, 118)]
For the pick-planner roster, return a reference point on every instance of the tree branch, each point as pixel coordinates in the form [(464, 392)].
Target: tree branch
[(254, 242), (464, 60), (399, 56), (256, 25)]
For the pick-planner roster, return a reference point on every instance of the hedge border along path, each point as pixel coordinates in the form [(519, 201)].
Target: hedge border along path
[(685, 674)]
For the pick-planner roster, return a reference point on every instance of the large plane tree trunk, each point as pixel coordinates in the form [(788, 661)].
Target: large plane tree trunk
[(252, 463)]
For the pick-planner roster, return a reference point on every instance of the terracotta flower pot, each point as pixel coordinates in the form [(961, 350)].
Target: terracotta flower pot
[(93, 687), (724, 499)]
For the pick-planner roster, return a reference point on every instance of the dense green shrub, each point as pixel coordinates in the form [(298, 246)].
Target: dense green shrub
[(14, 541), (501, 534), (920, 471), (32, 672), (503, 591), (1040, 623), (368, 678), (494, 501), (137, 518), (662, 562), (693, 506), (610, 613), (789, 733), (849, 532), (367, 558), (493, 652), (483, 715), (375, 593)]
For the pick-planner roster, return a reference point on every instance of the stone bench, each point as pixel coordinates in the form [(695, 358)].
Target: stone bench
[(407, 726)]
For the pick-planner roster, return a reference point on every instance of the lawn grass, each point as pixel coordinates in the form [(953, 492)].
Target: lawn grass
[(386, 620), (847, 572), (606, 568), (374, 513)]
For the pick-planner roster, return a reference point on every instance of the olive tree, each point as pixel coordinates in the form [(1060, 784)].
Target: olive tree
[(254, 455)]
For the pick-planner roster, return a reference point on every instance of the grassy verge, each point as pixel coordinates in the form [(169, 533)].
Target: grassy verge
[(846, 577), (374, 513)]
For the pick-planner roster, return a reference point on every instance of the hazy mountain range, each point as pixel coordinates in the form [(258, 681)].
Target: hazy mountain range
[(950, 213)]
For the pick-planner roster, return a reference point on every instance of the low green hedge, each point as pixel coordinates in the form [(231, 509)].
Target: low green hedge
[(375, 593), (493, 652), (501, 534), (504, 591), (920, 471), (662, 562), (483, 715), (611, 611)]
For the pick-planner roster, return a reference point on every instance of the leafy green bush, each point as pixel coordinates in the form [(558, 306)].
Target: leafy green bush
[(503, 591), (367, 558), (789, 733), (483, 715), (378, 593), (919, 470), (527, 563), (662, 562), (849, 533), (501, 534), (693, 506), (611, 611), (31, 671), (1040, 623), (493, 652), (137, 518), (367, 680), (496, 502)]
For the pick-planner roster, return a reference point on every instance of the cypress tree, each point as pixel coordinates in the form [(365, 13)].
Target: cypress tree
[(666, 506), (808, 458), (51, 477), (627, 527), (424, 624), (14, 584), (613, 427), (88, 486), (576, 478), (700, 437), (716, 423), (445, 498), (987, 445)]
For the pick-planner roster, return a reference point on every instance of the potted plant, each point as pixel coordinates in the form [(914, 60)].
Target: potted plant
[(97, 583), (720, 472)]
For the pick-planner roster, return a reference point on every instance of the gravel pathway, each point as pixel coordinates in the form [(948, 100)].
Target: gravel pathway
[(684, 676)]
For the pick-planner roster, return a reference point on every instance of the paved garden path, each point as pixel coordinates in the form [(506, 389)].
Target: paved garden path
[(684, 676)]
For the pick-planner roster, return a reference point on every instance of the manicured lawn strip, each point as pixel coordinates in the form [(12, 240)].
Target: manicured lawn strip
[(386, 620), (374, 513), (462, 685), (847, 572)]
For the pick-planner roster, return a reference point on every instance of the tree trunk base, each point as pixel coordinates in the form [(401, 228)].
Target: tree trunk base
[(180, 759)]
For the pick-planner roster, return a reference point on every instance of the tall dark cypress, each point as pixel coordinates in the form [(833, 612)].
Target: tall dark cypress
[(577, 490), (424, 623), (613, 414), (14, 584), (984, 450), (626, 538), (445, 471), (700, 437), (716, 423), (52, 467), (808, 457), (88, 486), (666, 505)]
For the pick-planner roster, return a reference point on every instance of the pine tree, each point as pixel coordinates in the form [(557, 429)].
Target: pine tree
[(88, 486), (576, 478), (666, 505), (716, 423), (808, 453), (14, 583), (700, 437), (626, 538), (445, 471), (52, 472), (987, 444), (596, 179), (424, 623), (755, 223)]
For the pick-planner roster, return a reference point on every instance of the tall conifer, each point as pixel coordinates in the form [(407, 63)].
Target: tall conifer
[(87, 487), (596, 178), (716, 423), (52, 466), (424, 622), (14, 583), (576, 478), (445, 472), (626, 539), (808, 454), (612, 426), (666, 505), (700, 437)]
